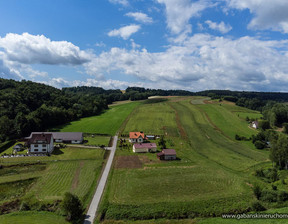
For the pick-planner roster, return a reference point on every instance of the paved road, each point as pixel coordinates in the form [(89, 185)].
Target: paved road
[(90, 216)]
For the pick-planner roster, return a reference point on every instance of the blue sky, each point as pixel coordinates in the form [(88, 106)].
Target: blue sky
[(169, 44)]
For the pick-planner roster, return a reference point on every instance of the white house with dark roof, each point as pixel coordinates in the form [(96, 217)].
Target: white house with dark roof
[(40, 143)]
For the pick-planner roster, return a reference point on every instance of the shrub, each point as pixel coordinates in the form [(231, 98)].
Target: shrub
[(282, 196), (257, 206), (269, 196), (259, 144), (73, 208), (257, 191), (259, 173)]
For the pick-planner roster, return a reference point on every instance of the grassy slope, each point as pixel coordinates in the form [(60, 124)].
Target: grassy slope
[(32, 218), (213, 167), (106, 123), (74, 170)]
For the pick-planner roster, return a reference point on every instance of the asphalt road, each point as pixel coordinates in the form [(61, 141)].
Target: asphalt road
[(90, 216)]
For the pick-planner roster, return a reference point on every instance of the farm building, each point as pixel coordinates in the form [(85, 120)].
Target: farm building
[(136, 137), (145, 147), (167, 154), (18, 147), (64, 137), (150, 137), (255, 124), (40, 143)]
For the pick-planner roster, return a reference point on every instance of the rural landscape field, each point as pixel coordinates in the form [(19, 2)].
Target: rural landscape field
[(214, 173)]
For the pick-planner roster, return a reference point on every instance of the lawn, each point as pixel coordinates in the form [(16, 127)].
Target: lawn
[(32, 218), (97, 140), (212, 176), (107, 123)]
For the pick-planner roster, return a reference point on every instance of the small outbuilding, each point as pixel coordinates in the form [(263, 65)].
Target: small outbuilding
[(167, 154), (18, 147), (145, 147), (255, 124), (150, 137)]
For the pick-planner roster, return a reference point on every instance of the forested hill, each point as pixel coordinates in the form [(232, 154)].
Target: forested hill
[(27, 106)]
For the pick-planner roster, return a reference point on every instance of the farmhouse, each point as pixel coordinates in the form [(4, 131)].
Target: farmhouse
[(40, 143), (64, 137), (136, 137), (145, 147), (167, 154), (255, 124)]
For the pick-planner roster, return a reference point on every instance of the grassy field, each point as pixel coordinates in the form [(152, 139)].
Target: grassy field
[(97, 140), (153, 119), (46, 179), (213, 175), (107, 123), (32, 218)]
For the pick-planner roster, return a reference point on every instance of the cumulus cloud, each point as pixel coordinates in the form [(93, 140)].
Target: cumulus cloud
[(221, 27), (179, 12), (203, 62), (267, 14), (32, 49), (140, 17), (121, 2), (125, 32)]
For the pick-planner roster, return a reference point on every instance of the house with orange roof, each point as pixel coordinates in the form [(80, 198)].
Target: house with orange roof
[(136, 137)]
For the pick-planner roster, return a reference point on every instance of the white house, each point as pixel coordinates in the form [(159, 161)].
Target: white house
[(40, 143), (145, 147), (136, 137)]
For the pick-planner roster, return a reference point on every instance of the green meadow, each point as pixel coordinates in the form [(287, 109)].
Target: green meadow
[(47, 178), (214, 173), (32, 218), (106, 123)]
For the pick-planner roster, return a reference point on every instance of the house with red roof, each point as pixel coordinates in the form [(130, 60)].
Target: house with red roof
[(145, 147), (40, 143), (167, 154), (136, 137)]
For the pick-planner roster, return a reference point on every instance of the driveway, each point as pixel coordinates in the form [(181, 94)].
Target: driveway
[(90, 216)]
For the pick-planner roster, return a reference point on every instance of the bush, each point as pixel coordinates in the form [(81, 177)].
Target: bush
[(257, 206), (259, 144), (259, 173), (257, 191), (269, 196), (282, 196), (73, 208)]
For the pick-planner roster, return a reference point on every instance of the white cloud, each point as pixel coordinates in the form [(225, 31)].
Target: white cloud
[(179, 12), (125, 32), (140, 17), (32, 49), (203, 62), (221, 27), (121, 2), (267, 14)]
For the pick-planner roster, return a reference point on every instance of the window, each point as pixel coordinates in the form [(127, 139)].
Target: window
[(35, 150), (44, 146), (35, 145), (44, 150)]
